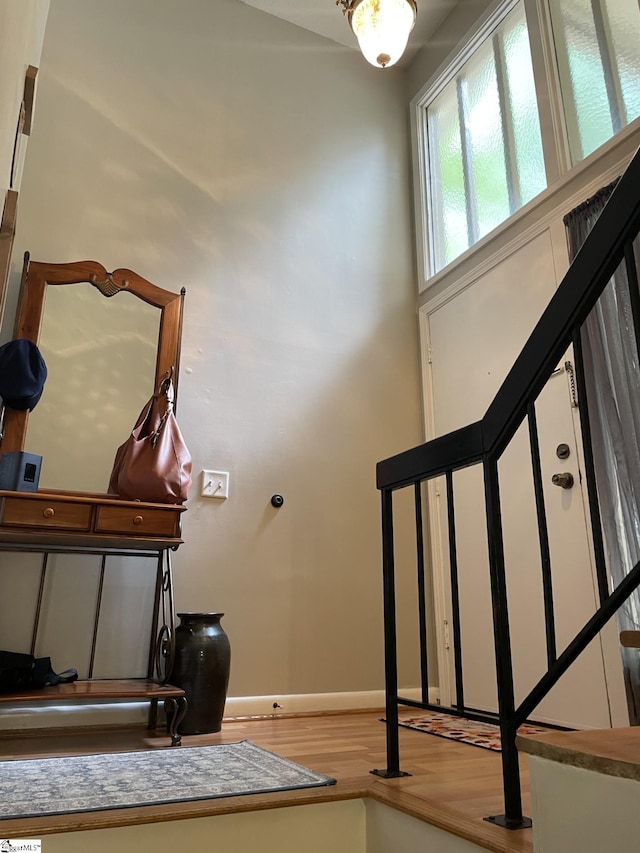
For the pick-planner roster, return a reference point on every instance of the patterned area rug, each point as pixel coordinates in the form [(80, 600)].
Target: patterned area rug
[(82, 783), (475, 733)]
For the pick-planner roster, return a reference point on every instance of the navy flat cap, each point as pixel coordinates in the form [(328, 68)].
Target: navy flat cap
[(22, 374)]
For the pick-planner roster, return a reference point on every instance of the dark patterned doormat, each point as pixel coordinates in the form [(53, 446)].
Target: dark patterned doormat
[(83, 783), (485, 735)]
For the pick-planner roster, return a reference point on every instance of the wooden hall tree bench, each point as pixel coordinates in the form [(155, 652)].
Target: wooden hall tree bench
[(56, 521)]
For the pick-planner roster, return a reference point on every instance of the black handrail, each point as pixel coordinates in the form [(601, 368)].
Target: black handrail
[(483, 442), (448, 453)]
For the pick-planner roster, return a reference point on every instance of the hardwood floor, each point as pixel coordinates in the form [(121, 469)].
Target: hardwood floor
[(452, 785)]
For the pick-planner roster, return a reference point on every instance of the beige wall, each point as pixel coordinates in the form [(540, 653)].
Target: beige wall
[(211, 146), (348, 826), (389, 831), (578, 810), (22, 24), (337, 826)]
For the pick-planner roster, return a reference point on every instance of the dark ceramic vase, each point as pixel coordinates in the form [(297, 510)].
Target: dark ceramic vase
[(201, 668)]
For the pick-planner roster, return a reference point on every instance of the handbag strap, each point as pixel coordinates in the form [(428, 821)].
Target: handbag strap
[(166, 386), (165, 390)]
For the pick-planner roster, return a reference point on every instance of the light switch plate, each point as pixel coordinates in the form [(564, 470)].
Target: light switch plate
[(215, 484)]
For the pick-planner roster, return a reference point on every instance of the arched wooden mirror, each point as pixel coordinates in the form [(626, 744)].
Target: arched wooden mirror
[(107, 339)]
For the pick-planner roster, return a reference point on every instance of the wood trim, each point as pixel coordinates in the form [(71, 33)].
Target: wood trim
[(29, 98), (612, 752), (7, 233)]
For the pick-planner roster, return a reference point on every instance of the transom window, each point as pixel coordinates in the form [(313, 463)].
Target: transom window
[(480, 128), (484, 144)]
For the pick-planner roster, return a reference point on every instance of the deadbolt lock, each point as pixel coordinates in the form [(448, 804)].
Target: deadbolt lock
[(563, 451), (565, 481)]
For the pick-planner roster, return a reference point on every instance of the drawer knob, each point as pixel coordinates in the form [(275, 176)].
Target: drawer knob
[(138, 519), (49, 512)]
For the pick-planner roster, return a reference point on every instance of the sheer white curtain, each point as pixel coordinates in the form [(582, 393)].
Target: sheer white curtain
[(613, 390)]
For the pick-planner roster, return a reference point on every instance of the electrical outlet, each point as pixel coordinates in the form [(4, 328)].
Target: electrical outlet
[(215, 484)]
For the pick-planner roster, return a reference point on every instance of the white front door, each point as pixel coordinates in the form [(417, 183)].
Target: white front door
[(473, 341)]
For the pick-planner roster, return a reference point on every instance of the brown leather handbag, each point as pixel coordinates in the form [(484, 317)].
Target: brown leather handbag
[(153, 464)]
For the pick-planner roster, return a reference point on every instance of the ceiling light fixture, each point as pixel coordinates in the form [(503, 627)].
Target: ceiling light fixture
[(382, 27)]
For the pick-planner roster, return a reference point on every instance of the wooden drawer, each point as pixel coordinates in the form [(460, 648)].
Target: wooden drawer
[(138, 522), (58, 515)]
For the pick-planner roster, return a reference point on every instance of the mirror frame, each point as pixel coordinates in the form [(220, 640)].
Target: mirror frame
[(37, 276)]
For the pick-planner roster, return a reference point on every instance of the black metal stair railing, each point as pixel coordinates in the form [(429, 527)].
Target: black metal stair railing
[(483, 443)]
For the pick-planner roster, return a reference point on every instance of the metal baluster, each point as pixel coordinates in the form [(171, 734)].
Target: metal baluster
[(390, 641), (590, 472), (455, 593), (543, 536), (512, 818), (422, 597)]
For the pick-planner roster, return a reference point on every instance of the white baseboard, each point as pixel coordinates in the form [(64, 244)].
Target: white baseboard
[(50, 715), (301, 703)]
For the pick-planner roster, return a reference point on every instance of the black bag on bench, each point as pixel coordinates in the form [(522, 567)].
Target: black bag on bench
[(20, 671)]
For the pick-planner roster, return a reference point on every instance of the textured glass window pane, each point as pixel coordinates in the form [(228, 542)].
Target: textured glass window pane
[(598, 58), (483, 121), (623, 18), (529, 159), (449, 224), (482, 171), (582, 77)]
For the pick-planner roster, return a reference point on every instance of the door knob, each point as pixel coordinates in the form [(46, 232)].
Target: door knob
[(565, 481)]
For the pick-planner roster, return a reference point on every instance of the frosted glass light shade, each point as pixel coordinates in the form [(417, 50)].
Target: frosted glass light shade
[(382, 28)]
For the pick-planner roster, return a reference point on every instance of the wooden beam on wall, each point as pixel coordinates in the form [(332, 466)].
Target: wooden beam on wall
[(29, 98), (7, 233)]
